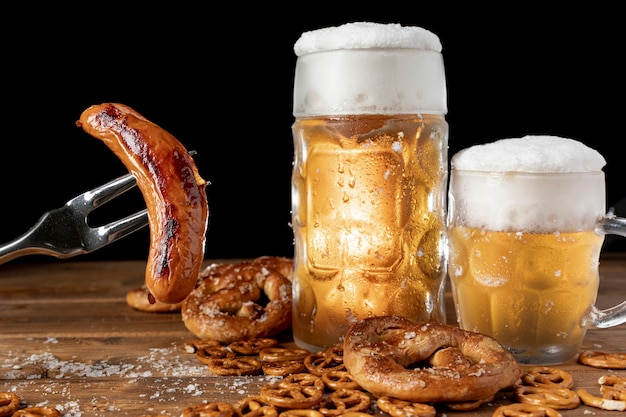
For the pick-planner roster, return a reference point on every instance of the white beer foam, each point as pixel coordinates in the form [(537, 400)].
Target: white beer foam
[(532, 184), (530, 154), (363, 35), (369, 68)]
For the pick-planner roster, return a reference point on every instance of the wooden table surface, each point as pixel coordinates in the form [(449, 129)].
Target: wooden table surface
[(68, 339)]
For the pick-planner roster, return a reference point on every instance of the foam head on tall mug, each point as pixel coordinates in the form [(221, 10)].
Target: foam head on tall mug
[(526, 223)]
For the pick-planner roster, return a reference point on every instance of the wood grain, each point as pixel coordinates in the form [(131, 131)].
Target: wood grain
[(68, 339)]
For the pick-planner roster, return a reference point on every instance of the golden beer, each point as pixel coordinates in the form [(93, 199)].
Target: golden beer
[(528, 290), (524, 243), (369, 225)]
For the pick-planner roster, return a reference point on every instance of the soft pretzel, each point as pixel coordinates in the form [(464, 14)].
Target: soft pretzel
[(242, 301), (172, 188), (388, 356)]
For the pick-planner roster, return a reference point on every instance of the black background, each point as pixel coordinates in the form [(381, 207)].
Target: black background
[(220, 80)]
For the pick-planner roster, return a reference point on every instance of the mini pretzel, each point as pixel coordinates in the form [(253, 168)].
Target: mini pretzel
[(213, 409), (344, 400), (254, 406), (328, 360), (613, 387), (522, 410), (193, 345), (604, 360), (400, 408), (339, 379), (206, 354), (235, 366), (598, 402), (252, 346), (381, 354), (294, 391), (274, 354), (557, 398), (545, 376), (301, 412), (468, 405), (37, 412), (9, 403), (283, 368), (247, 300)]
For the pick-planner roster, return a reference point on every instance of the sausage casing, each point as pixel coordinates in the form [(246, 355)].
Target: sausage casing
[(172, 188)]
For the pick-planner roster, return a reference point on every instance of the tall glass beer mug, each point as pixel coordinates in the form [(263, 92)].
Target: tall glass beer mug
[(526, 225), (369, 178)]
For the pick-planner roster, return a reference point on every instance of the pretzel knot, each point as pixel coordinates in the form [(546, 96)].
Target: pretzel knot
[(240, 301), (294, 391), (212, 409), (604, 360), (345, 400), (388, 356), (9, 403), (523, 410), (547, 377), (400, 408), (557, 398)]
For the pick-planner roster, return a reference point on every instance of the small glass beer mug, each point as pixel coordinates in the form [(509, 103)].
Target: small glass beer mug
[(369, 178), (526, 226)]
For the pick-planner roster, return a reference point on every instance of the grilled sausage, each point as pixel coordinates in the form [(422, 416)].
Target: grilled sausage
[(172, 188)]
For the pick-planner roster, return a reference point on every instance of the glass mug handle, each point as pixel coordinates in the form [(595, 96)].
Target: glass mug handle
[(601, 319)]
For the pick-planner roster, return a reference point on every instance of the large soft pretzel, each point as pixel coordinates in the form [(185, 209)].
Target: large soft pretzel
[(239, 301), (174, 192), (388, 356)]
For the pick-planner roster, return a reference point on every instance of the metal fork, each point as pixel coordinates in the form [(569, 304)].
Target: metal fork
[(65, 232)]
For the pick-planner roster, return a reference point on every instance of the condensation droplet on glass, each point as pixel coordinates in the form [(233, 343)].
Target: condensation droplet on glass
[(352, 182)]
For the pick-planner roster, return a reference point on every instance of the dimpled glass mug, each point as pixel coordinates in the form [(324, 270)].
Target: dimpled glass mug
[(527, 220), (369, 178)]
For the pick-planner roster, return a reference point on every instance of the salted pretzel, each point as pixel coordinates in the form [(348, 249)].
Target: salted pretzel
[(522, 410), (338, 379), (603, 360), (37, 412), (381, 354), (557, 398), (283, 368), (547, 377), (9, 403), (244, 300), (279, 353), (343, 401), (600, 402), (237, 366), (254, 406), (613, 387), (301, 412), (294, 391), (213, 409), (400, 408), (252, 346)]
